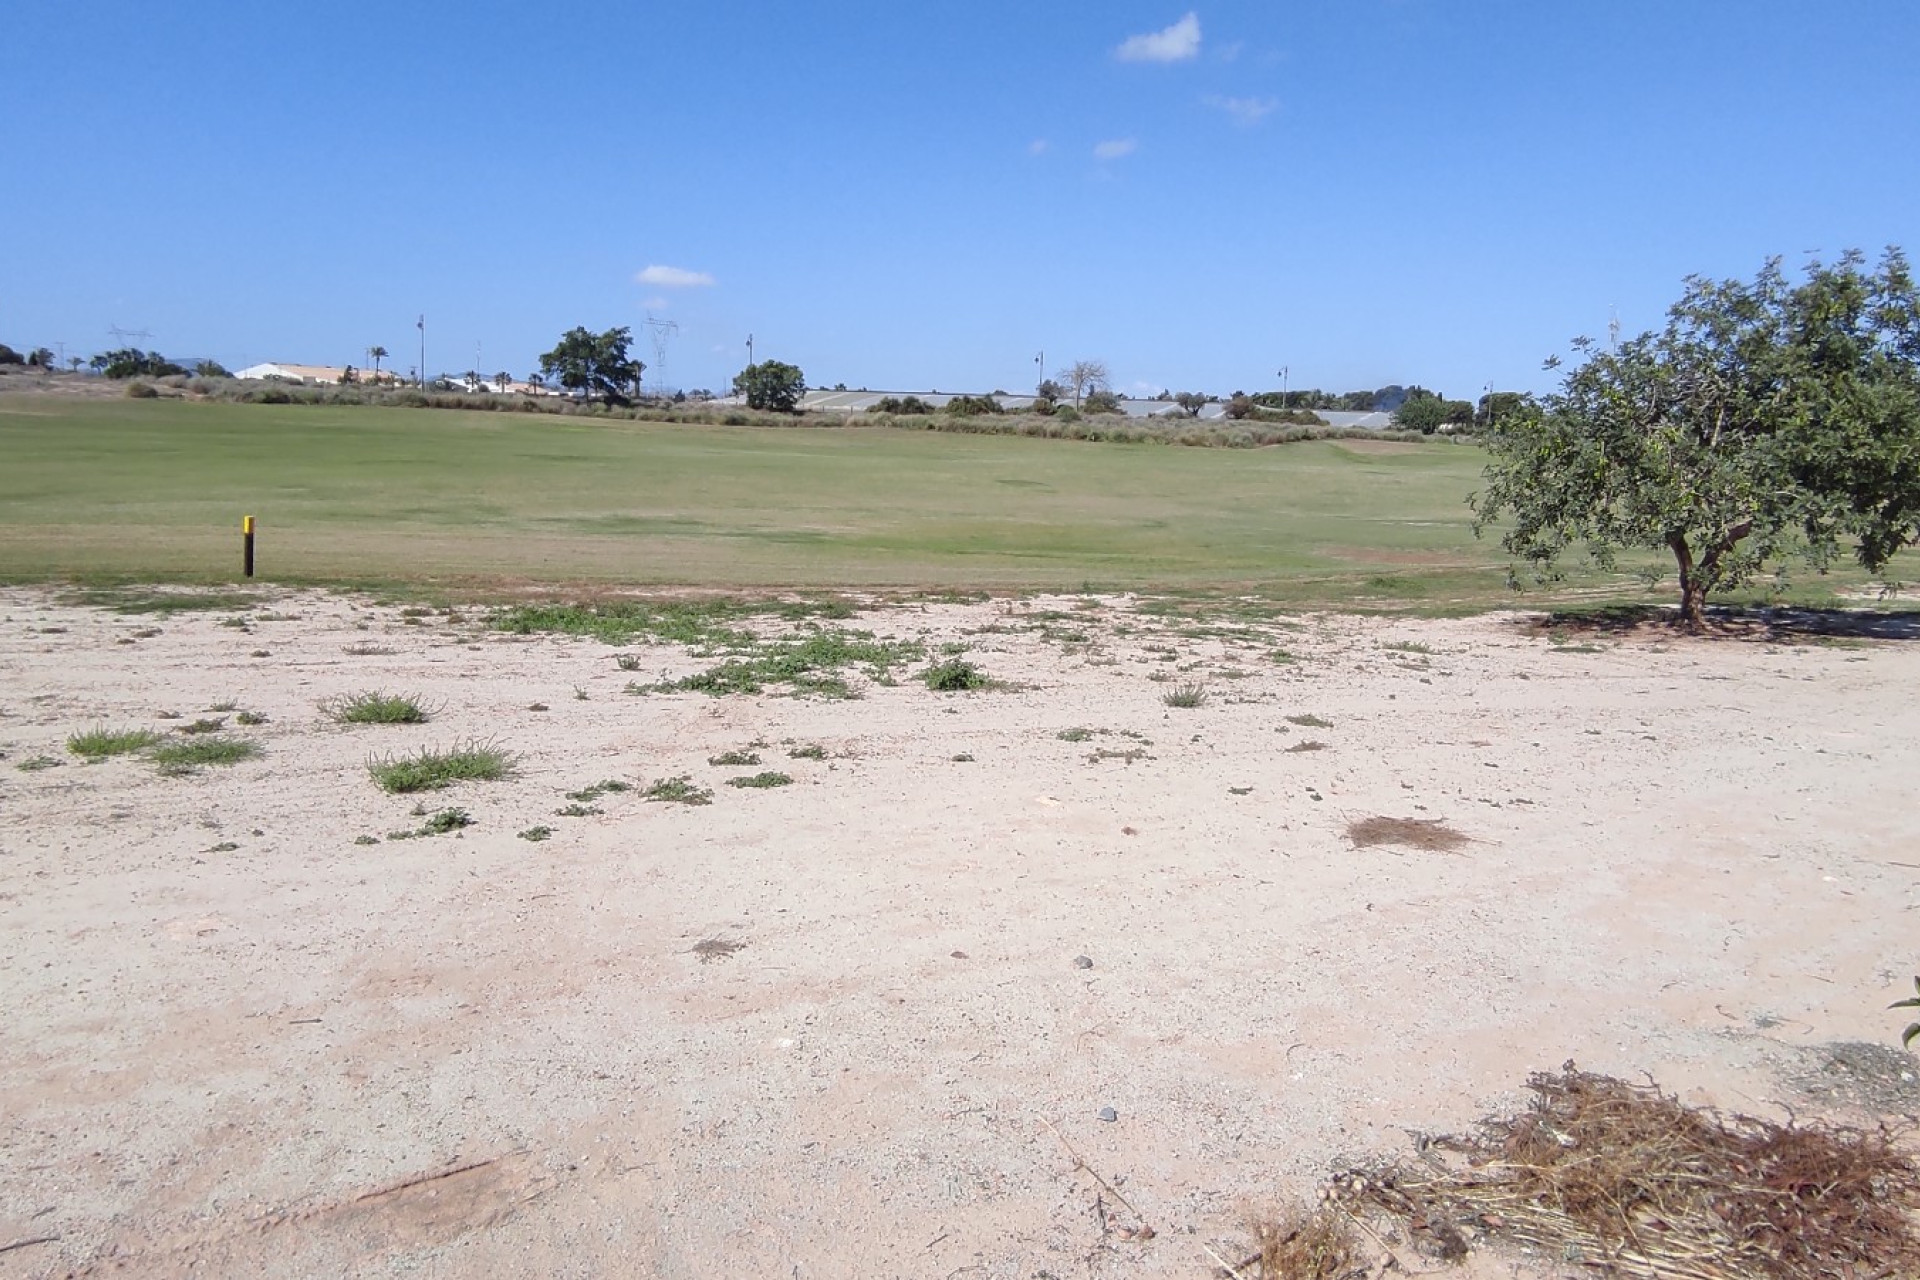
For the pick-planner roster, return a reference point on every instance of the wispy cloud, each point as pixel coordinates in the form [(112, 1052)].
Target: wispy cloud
[(673, 278), (1177, 43), (1243, 110), (659, 303), (1114, 148), (1038, 147)]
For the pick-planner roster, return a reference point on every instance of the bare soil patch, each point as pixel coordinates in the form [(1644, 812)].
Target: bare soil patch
[(1124, 968)]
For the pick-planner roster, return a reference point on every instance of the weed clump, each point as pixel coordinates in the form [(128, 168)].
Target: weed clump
[(1298, 1245), (768, 778), (100, 743), (535, 835), (1186, 695), (375, 708), (439, 824), (678, 790), (1430, 835), (735, 758), (612, 786), (955, 675), (811, 751), (1310, 722), (433, 770), (175, 758)]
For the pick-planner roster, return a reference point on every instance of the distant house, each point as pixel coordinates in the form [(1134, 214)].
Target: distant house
[(318, 375)]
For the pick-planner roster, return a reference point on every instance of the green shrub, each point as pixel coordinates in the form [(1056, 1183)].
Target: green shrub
[(761, 780), (141, 391), (375, 708), (185, 757), (99, 743), (955, 675), (1186, 695), (432, 770)]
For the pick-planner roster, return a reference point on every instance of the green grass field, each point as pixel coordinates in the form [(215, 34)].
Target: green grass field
[(108, 490)]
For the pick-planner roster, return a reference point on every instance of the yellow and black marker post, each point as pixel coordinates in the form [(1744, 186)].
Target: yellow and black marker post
[(246, 543)]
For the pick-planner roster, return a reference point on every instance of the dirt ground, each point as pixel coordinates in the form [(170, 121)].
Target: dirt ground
[(240, 1041)]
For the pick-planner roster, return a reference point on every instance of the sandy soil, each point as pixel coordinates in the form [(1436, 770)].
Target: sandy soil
[(237, 1042)]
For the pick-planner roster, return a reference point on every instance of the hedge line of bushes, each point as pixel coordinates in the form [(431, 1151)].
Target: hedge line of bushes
[(1063, 424)]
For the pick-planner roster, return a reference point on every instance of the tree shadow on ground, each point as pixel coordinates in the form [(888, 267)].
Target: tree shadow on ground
[(1782, 624)]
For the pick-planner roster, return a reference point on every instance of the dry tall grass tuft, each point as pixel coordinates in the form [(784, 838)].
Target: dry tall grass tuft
[(1625, 1178), (1298, 1245), (1428, 834)]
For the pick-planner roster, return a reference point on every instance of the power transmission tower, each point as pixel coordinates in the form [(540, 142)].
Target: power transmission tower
[(660, 332), (121, 335)]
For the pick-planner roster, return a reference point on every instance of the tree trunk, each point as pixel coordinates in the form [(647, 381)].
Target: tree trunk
[(1693, 586)]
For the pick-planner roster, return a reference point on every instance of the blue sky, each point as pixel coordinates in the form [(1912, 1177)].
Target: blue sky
[(922, 197)]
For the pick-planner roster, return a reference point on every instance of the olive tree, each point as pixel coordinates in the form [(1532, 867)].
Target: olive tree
[(592, 364), (1766, 423), (772, 385)]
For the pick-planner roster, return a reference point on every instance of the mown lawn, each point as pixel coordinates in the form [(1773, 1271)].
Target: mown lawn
[(154, 490)]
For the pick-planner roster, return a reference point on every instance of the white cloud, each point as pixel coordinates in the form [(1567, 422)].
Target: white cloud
[(1243, 110), (1176, 44), (1114, 148), (673, 278), (1230, 52), (1038, 147)]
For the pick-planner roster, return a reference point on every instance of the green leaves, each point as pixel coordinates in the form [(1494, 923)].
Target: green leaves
[(594, 364), (771, 385), (1767, 421), (1908, 1036)]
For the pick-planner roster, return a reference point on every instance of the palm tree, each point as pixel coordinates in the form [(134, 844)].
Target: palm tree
[(376, 354), (502, 378)]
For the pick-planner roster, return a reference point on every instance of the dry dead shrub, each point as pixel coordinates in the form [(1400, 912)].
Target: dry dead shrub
[(1297, 1245), (1625, 1178), (1428, 834)]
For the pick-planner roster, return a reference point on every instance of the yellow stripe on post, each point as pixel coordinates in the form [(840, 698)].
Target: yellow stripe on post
[(246, 525), (246, 545)]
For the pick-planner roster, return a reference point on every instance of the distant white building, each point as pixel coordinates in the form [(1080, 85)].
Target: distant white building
[(318, 375)]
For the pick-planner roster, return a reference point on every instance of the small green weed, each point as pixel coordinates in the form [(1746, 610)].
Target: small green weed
[(432, 770), (220, 708), (1074, 735), (612, 786), (734, 758), (99, 743), (1908, 1036), (1406, 646), (627, 661), (250, 718), (375, 708), (225, 846), (955, 675), (1309, 745), (442, 823), (811, 751), (537, 834), (175, 758), (576, 811), (1310, 722), (1186, 695), (205, 726), (366, 649), (678, 790), (36, 763), (761, 780), (366, 839)]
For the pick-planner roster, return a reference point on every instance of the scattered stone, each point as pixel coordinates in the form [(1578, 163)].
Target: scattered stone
[(959, 955), (1083, 962), (1109, 1114)]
